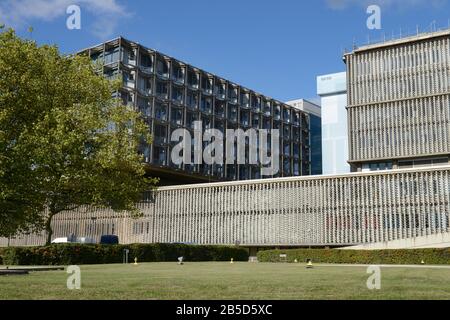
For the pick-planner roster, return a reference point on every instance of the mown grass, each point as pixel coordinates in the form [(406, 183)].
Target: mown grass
[(217, 280)]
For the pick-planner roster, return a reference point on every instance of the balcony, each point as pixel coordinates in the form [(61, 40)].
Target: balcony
[(177, 95), (178, 74), (162, 68), (146, 64), (207, 85)]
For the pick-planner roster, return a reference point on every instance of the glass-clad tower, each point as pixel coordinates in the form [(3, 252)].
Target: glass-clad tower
[(332, 90), (172, 94)]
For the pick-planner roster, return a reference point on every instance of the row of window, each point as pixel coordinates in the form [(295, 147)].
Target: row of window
[(194, 79)]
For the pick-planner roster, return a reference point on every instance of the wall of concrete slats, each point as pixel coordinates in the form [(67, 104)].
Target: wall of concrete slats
[(333, 210)]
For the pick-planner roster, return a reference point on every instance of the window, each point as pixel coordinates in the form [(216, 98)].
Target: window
[(146, 63), (162, 89), (159, 155), (161, 112), (112, 55), (219, 90), (267, 108), (256, 103), (205, 105), (190, 118), (277, 112), (144, 106), (145, 85), (232, 113), (296, 119), (232, 94), (177, 94), (162, 67), (207, 84), (128, 79), (286, 115), (245, 118), (255, 121), (245, 99), (286, 149), (160, 134), (206, 122), (192, 99), (177, 73), (176, 116), (267, 123), (219, 109), (193, 79)]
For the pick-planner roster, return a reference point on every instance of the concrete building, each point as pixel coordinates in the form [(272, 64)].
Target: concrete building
[(398, 103), (332, 89), (398, 108), (315, 132), (172, 94)]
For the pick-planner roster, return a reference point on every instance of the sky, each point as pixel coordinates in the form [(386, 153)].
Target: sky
[(275, 47)]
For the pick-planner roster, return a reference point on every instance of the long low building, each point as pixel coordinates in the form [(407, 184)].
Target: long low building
[(338, 210)]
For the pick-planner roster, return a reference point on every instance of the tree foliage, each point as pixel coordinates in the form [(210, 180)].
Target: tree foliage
[(64, 141)]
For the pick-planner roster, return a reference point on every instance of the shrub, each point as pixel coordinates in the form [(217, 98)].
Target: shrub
[(67, 254), (397, 256)]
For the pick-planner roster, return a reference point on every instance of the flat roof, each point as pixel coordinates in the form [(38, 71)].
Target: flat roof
[(305, 178), (396, 42)]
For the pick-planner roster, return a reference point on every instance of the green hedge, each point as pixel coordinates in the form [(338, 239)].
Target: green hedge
[(400, 256), (68, 254)]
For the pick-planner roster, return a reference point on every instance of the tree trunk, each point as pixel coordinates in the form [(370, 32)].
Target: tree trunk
[(48, 229)]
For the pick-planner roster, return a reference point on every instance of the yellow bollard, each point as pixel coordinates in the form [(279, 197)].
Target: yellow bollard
[(422, 262), (309, 265), (135, 261), (232, 260)]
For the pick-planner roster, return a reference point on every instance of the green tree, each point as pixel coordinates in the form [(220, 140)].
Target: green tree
[(64, 141)]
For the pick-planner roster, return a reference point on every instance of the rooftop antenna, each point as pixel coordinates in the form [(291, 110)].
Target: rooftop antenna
[(400, 32), (354, 43), (417, 29)]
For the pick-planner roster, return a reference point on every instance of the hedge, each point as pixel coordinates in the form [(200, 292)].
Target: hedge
[(69, 254), (399, 256)]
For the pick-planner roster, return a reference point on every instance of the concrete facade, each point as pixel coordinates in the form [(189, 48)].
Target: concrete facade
[(338, 210), (172, 94), (398, 103)]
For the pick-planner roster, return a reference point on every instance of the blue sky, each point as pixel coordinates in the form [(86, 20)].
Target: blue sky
[(276, 47)]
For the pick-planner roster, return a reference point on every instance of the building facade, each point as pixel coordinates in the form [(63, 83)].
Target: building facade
[(398, 103), (398, 124), (315, 132), (332, 89), (339, 210), (172, 94)]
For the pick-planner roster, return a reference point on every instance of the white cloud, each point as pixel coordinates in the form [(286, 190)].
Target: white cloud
[(22, 13), (343, 4)]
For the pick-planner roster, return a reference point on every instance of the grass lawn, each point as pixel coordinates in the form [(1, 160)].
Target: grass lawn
[(215, 280)]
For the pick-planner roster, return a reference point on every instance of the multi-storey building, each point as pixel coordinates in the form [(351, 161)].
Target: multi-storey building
[(332, 90), (398, 112), (172, 94), (398, 103), (315, 132)]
